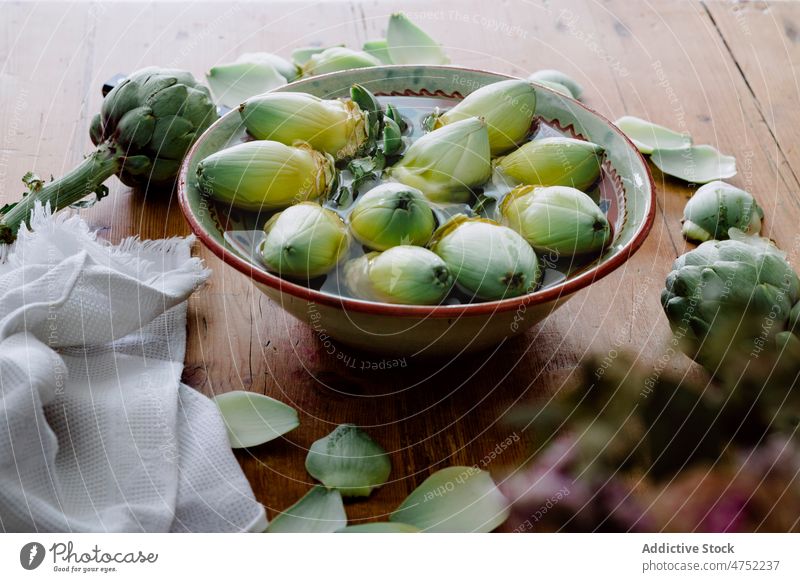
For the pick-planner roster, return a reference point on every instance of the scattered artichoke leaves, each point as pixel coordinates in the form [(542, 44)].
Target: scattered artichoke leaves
[(380, 527), (553, 76), (698, 164), (320, 510), (254, 419), (454, 500), (349, 461), (648, 136), (378, 48), (408, 44), (234, 83)]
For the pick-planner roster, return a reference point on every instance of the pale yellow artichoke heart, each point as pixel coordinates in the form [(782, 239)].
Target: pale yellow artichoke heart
[(447, 162), (555, 161), (507, 107), (557, 220), (305, 240), (334, 126)]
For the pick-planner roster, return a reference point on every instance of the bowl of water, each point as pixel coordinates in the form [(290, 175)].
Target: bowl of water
[(624, 192)]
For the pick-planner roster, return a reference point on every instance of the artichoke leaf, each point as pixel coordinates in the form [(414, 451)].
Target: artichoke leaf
[(554, 76), (695, 164), (348, 460)]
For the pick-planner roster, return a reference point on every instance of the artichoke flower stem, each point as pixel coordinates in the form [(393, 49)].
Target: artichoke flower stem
[(86, 178)]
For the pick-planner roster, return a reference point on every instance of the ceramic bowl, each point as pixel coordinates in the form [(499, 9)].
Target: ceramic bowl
[(626, 191)]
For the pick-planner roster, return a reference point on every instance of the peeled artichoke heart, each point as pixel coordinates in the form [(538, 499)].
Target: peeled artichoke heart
[(556, 219), (507, 107), (447, 162), (717, 207), (404, 274), (338, 58), (714, 288), (266, 175), (392, 214), (335, 126), (489, 261), (555, 161), (304, 241)]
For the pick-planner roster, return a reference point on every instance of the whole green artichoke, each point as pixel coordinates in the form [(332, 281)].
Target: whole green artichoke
[(145, 126), (727, 299)]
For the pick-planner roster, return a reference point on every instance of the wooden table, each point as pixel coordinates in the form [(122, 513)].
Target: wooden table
[(724, 71)]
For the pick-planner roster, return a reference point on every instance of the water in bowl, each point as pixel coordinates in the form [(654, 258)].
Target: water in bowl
[(244, 229)]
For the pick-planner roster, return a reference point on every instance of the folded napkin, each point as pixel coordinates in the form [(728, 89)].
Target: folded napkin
[(97, 433)]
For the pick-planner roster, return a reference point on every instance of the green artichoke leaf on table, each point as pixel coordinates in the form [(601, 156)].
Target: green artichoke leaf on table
[(145, 126)]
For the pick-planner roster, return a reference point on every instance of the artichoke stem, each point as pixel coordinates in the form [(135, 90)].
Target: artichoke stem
[(86, 178)]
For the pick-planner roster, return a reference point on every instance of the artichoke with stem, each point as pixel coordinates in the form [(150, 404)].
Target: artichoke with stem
[(488, 261), (145, 126)]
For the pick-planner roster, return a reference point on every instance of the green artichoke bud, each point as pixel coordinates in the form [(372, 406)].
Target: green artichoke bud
[(338, 58), (445, 163), (266, 175), (553, 76), (403, 274), (144, 128), (507, 108), (555, 161), (304, 241), (489, 261), (714, 290), (334, 126), (392, 214), (717, 207), (556, 219)]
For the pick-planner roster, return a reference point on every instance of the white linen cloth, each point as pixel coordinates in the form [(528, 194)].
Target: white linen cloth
[(97, 433)]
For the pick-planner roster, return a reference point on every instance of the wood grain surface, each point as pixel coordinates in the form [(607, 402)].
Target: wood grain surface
[(723, 71)]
